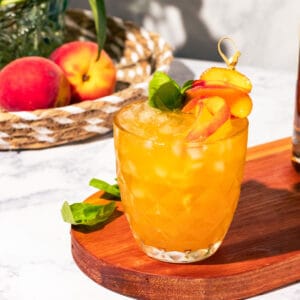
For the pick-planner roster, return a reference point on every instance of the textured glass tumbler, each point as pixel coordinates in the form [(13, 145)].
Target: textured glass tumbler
[(179, 198), (30, 27)]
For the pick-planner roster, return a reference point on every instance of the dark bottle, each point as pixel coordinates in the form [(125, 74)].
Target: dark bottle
[(296, 133)]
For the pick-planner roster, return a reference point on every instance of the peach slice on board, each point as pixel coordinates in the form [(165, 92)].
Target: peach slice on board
[(228, 77), (211, 112)]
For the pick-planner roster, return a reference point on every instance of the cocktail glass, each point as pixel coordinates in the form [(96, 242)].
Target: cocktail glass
[(179, 197)]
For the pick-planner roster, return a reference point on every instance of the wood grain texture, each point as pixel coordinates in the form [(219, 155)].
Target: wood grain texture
[(261, 251)]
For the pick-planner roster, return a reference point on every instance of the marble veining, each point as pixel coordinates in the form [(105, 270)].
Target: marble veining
[(35, 254)]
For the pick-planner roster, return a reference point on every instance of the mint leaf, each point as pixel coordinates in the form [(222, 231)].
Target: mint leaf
[(164, 92), (112, 189), (86, 213), (187, 85)]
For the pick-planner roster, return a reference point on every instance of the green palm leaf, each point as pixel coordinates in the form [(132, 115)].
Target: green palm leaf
[(99, 13)]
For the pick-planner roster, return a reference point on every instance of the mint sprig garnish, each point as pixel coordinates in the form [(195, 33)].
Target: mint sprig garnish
[(165, 93), (86, 213), (187, 85)]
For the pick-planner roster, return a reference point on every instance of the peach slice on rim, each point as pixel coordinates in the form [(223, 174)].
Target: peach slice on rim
[(227, 77), (211, 113), (239, 102)]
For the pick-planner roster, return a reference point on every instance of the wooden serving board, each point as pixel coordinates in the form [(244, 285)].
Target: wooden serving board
[(261, 251)]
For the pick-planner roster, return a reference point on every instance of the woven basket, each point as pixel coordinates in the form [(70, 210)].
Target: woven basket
[(136, 53)]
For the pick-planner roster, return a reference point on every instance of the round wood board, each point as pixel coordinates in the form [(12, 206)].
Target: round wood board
[(261, 251)]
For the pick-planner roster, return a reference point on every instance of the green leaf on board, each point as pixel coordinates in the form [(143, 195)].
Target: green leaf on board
[(86, 214), (112, 189)]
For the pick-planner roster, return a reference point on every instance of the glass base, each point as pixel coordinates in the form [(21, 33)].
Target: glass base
[(179, 257)]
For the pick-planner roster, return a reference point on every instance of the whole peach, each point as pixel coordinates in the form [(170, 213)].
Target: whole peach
[(33, 82), (89, 78)]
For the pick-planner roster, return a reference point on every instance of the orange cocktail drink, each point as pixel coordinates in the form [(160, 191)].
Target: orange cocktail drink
[(179, 195), (180, 161)]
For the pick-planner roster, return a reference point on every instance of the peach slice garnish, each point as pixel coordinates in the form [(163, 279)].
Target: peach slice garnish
[(241, 106), (228, 77), (239, 102), (192, 105), (211, 112)]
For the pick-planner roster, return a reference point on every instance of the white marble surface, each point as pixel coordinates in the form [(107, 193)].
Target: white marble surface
[(35, 254)]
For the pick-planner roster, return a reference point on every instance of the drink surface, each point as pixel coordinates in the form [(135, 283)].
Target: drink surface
[(164, 126), (177, 195)]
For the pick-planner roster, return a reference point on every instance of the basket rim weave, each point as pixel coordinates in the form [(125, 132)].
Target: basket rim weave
[(45, 128)]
